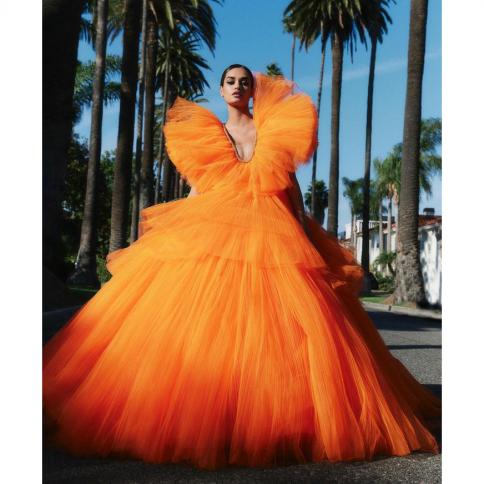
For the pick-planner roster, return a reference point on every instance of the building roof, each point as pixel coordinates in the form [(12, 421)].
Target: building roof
[(423, 221), (429, 220)]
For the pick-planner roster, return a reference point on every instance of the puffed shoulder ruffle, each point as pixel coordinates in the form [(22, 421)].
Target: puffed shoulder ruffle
[(286, 137), (287, 125), (196, 144)]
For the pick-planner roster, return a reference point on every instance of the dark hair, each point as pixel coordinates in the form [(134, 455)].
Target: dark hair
[(233, 66)]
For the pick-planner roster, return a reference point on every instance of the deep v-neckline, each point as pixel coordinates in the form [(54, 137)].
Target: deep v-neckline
[(234, 147)]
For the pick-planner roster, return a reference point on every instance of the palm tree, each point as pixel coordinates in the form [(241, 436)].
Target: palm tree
[(430, 160), (139, 130), (61, 20), (321, 200), (388, 170), (290, 29), (353, 193), (335, 20), (194, 17), (114, 23), (374, 19), (83, 85), (337, 75), (273, 69), (315, 154), (146, 172), (85, 272), (124, 150), (180, 72), (380, 223), (380, 190), (182, 77), (161, 160), (388, 185), (386, 260), (186, 79), (409, 282), (299, 21)]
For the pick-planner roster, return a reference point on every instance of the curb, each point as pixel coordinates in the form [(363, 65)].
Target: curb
[(421, 313)]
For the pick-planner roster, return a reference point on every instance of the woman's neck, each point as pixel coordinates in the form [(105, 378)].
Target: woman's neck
[(238, 116)]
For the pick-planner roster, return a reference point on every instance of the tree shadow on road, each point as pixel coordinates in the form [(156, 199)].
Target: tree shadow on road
[(414, 347), (386, 320)]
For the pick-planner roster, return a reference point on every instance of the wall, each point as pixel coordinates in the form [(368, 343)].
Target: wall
[(430, 237), (431, 262)]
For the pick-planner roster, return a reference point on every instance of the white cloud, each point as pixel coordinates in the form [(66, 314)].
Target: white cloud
[(392, 65)]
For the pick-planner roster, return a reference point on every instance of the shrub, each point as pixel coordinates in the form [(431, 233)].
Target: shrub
[(385, 283), (102, 273)]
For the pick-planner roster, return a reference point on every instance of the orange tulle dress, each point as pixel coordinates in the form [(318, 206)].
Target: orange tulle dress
[(226, 335)]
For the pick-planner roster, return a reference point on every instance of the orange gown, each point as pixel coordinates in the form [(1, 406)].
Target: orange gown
[(226, 336)]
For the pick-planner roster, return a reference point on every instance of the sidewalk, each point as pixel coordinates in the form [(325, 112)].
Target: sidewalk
[(422, 313)]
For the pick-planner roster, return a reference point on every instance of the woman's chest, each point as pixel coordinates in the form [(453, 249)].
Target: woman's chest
[(243, 142)]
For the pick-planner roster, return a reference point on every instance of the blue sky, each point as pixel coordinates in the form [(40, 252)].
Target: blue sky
[(250, 33)]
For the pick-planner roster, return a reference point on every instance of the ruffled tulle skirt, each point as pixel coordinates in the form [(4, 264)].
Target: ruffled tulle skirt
[(226, 337)]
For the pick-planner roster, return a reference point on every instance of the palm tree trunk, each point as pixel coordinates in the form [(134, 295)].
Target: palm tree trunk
[(318, 107), (380, 227), (388, 248), (365, 250), (124, 151), (168, 166), (146, 178), (337, 58), (177, 185), (163, 117), (170, 185), (168, 169), (139, 131), (85, 271), (181, 183), (61, 20), (354, 233), (409, 282)]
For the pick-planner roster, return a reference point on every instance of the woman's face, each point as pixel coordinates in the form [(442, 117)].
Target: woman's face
[(237, 88)]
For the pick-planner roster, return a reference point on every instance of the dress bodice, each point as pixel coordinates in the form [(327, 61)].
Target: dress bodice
[(285, 123)]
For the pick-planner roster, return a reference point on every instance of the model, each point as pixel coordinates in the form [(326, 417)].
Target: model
[(231, 332)]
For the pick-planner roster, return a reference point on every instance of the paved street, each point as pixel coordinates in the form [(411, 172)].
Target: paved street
[(415, 341)]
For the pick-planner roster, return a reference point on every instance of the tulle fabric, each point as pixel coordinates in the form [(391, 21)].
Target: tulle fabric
[(286, 137), (226, 336)]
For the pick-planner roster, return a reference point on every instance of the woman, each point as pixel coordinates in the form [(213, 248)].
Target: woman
[(230, 332)]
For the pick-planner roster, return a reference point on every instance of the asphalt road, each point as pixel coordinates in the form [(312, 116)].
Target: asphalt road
[(415, 341)]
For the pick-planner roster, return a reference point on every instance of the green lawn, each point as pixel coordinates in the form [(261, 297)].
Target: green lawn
[(380, 299), (374, 299), (82, 294)]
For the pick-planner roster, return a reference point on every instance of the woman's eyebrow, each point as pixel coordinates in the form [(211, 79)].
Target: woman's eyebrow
[(232, 77)]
